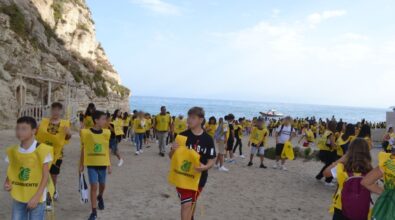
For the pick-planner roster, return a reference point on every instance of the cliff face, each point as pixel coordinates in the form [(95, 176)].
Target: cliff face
[(54, 39)]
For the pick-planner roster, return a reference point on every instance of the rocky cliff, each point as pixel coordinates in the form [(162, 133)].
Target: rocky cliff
[(56, 40)]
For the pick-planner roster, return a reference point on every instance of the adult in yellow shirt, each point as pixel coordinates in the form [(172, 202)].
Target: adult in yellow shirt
[(55, 132), (257, 142), (162, 124), (139, 131)]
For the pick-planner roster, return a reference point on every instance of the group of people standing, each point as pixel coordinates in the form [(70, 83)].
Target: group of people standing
[(35, 163)]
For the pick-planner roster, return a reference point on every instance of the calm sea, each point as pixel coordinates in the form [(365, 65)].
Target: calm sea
[(219, 108)]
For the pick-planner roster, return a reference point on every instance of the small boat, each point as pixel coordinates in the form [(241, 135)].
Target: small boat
[(272, 113)]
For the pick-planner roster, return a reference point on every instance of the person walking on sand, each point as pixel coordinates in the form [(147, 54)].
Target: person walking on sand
[(284, 133), (202, 143), (28, 172), (230, 137), (139, 129), (95, 155), (162, 124), (220, 139), (55, 132)]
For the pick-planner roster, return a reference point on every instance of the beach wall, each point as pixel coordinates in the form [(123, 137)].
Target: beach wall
[(53, 40)]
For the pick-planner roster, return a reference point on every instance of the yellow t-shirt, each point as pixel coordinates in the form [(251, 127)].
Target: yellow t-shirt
[(96, 147), (88, 122), (118, 126), (387, 166), (258, 136), (162, 122), (139, 125), (53, 136), (322, 143), (211, 128), (180, 125)]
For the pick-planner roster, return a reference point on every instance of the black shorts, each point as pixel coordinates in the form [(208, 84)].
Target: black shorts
[(229, 145), (55, 168), (279, 149)]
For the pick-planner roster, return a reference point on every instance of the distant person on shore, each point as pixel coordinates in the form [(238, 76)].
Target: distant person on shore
[(179, 125), (258, 142), (148, 128), (202, 143), (55, 132), (365, 132), (95, 155), (345, 139), (28, 172), (285, 132), (211, 126), (230, 138), (239, 136), (117, 126), (139, 132), (88, 121), (220, 140), (327, 153), (349, 171), (307, 136), (126, 119), (162, 123)]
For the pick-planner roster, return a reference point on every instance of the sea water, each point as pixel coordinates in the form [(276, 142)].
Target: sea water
[(248, 109)]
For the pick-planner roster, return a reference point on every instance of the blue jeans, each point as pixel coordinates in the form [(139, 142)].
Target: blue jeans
[(138, 138), (20, 211)]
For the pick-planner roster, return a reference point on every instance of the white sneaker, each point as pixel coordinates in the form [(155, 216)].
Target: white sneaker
[(137, 153), (224, 169), (56, 195), (242, 156), (120, 163), (275, 166), (329, 184), (216, 166), (141, 151), (283, 168)]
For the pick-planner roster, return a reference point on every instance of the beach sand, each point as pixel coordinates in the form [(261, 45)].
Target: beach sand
[(139, 189)]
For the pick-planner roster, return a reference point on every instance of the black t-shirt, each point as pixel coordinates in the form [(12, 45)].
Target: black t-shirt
[(204, 145)]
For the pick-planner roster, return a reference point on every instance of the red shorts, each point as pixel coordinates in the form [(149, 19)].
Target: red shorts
[(187, 195), (306, 144)]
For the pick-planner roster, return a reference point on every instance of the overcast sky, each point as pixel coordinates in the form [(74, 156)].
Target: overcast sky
[(335, 52)]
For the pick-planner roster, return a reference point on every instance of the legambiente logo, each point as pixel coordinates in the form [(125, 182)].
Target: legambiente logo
[(186, 166), (97, 148), (24, 174)]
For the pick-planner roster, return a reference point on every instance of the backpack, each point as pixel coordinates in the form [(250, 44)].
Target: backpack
[(355, 199)]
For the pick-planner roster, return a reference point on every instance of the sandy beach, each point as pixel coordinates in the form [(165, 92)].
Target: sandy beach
[(139, 189)]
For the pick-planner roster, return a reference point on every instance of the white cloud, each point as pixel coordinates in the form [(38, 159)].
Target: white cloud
[(319, 17), (355, 36), (269, 51), (159, 6)]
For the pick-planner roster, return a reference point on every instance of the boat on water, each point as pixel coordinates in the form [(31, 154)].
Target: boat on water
[(272, 113)]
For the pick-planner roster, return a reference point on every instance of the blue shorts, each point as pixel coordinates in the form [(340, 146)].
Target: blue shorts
[(114, 145), (97, 175)]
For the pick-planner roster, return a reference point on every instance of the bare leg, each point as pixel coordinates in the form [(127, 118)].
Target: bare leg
[(94, 196), (186, 211)]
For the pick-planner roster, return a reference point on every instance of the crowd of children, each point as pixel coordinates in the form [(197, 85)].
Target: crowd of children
[(344, 148)]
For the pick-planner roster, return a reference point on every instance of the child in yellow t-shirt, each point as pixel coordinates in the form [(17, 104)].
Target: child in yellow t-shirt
[(95, 155), (257, 142), (28, 172)]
